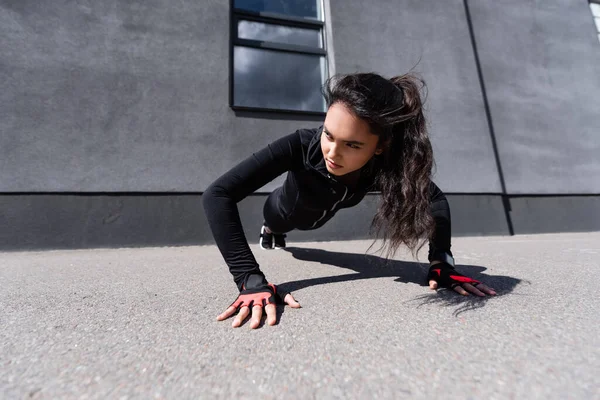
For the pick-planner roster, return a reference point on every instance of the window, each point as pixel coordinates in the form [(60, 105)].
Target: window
[(277, 55), (595, 7)]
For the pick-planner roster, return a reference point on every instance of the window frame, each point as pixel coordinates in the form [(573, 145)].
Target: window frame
[(236, 14), (597, 2)]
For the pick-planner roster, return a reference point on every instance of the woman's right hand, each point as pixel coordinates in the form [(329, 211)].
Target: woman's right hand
[(264, 297)]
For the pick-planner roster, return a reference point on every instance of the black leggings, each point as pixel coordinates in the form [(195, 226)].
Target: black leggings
[(274, 218)]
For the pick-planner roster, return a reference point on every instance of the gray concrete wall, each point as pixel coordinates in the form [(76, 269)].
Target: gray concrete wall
[(394, 35), (120, 96), (541, 64), (132, 96)]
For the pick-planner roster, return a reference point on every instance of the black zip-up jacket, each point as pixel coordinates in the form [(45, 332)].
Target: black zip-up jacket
[(309, 197)]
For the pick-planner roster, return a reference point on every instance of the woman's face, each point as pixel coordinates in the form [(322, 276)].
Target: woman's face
[(346, 142)]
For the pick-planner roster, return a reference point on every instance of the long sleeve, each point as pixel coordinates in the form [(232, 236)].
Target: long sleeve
[(440, 243), (221, 198)]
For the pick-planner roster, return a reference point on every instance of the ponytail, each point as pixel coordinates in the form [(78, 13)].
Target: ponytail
[(404, 215)]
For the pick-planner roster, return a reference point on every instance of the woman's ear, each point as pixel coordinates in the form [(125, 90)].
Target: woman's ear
[(381, 146)]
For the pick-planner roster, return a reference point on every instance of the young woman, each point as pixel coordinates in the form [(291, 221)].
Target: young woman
[(374, 138)]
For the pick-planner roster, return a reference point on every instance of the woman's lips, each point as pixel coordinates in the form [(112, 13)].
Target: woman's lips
[(333, 165)]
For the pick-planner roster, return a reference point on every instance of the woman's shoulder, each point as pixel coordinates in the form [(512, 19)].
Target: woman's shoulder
[(308, 135), (302, 142), (296, 146), (302, 137)]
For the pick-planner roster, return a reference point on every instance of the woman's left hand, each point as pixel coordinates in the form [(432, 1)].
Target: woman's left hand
[(444, 275)]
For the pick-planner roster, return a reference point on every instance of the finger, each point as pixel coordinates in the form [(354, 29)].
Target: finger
[(239, 319), (473, 289), (433, 284), (256, 316), (289, 299), (228, 313), (271, 311), (460, 290), (486, 289)]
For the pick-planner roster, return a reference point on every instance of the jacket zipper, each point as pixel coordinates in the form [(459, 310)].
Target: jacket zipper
[(332, 208)]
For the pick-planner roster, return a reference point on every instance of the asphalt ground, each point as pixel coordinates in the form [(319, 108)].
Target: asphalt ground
[(141, 323)]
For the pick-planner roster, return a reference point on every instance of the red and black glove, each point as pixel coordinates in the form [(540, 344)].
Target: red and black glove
[(258, 292), (446, 276)]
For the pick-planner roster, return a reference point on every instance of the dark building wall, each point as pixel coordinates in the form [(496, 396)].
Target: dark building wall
[(63, 221), (116, 115)]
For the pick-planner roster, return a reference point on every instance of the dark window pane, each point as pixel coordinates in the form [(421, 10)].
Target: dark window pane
[(279, 80), (294, 8), (279, 33)]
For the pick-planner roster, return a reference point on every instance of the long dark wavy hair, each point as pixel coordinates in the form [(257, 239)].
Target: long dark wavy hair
[(394, 111)]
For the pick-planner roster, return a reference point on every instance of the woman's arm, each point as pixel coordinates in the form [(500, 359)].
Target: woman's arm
[(441, 271), (439, 245), (221, 198)]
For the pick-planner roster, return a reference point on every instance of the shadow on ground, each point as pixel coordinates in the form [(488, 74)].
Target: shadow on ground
[(368, 266)]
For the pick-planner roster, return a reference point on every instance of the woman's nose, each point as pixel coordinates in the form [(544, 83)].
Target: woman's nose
[(332, 153)]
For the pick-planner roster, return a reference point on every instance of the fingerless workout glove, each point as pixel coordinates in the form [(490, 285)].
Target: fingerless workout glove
[(256, 297), (258, 292), (446, 276)]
